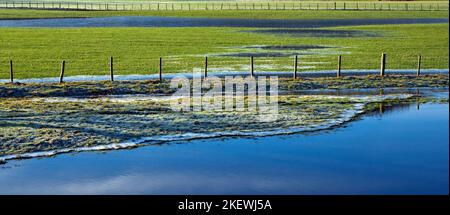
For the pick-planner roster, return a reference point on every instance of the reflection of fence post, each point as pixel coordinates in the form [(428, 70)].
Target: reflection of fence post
[(383, 64), (111, 69), (11, 71), (61, 76), (295, 67), (419, 59), (338, 74)]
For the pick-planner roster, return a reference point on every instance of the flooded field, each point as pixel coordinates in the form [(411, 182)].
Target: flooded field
[(46, 119), (154, 21), (334, 102), (390, 152)]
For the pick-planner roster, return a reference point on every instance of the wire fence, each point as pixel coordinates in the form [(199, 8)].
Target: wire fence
[(86, 6), (25, 68)]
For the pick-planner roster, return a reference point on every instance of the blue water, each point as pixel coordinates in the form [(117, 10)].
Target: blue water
[(154, 21), (403, 151)]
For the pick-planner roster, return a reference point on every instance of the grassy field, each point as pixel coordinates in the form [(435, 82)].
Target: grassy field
[(38, 52)]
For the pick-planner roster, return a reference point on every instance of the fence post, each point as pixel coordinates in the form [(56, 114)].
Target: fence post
[(295, 67), (383, 64), (111, 69), (206, 66), (251, 66), (419, 59), (61, 76), (11, 71), (160, 68), (338, 74)]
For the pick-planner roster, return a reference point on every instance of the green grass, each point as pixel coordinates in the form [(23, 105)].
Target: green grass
[(263, 14), (37, 52)]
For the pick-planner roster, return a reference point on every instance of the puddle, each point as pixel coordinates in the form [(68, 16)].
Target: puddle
[(259, 54), (317, 32), (286, 47), (154, 21)]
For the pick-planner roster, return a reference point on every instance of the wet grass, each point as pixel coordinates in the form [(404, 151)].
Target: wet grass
[(38, 52)]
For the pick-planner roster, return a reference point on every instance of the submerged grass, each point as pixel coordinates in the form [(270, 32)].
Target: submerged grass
[(36, 125), (51, 118)]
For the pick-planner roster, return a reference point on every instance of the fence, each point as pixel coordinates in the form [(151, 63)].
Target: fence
[(85, 6), (251, 64)]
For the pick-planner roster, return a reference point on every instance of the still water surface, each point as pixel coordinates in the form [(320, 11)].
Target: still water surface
[(155, 21)]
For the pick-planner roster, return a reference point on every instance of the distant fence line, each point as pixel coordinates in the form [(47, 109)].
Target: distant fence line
[(385, 6)]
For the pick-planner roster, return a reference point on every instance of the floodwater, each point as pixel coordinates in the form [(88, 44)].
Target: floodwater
[(403, 150), (317, 32), (154, 21), (135, 77)]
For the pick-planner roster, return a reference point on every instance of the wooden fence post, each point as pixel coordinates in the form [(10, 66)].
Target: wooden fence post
[(160, 68), (61, 76), (251, 66), (339, 66), (419, 59), (383, 64), (206, 66), (295, 67), (11, 71), (111, 69)]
